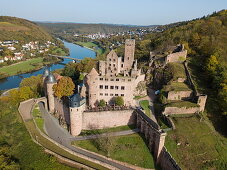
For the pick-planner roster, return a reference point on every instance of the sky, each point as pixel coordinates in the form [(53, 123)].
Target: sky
[(133, 12)]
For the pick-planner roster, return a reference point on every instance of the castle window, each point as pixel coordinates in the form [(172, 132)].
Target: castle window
[(101, 79), (122, 65), (110, 59), (111, 79), (117, 79), (129, 79), (106, 94), (111, 94), (106, 79), (114, 60), (101, 86), (106, 87), (128, 58), (116, 87), (109, 64), (122, 87), (111, 87), (101, 94), (116, 94), (122, 94), (114, 65)]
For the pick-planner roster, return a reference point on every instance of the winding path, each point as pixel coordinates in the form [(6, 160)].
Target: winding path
[(60, 135)]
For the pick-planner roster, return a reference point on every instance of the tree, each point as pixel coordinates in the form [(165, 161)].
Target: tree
[(102, 103), (211, 64), (119, 101), (35, 83), (64, 87)]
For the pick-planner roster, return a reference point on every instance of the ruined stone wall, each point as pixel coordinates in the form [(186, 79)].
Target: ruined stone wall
[(176, 57), (107, 119), (179, 95), (166, 161), (180, 110), (62, 109)]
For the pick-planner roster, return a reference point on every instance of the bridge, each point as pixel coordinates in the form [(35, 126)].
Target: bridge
[(65, 57)]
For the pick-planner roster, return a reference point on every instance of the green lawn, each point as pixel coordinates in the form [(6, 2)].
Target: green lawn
[(181, 103), (99, 131), (91, 45), (131, 149), (198, 146), (176, 86), (145, 105), (24, 66)]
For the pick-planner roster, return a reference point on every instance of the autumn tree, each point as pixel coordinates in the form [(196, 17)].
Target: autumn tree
[(64, 87), (211, 64)]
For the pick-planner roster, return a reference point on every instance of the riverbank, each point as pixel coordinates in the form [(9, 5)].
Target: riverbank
[(24, 67), (91, 46)]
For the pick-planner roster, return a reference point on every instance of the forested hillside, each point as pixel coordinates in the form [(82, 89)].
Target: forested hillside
[(79, 28), (206, 42), (12, 28)]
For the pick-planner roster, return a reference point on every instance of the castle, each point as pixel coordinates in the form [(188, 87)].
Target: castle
[(116, 76)]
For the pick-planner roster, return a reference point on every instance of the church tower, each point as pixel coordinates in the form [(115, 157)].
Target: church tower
[(129, 53)]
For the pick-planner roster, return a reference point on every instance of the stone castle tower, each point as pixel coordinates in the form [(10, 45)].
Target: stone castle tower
[(49, 81), (93, 86), (129, 53), (76, 108)]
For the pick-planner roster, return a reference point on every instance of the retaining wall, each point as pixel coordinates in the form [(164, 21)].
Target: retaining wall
[(180, 110), (179, 95), (107, 119)]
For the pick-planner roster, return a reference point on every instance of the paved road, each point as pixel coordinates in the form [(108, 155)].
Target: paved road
[(60, 135), (25, 109)]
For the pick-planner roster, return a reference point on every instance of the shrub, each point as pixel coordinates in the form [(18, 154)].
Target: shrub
[(102, 103), (119, 101)]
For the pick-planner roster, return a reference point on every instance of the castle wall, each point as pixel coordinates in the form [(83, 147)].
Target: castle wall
[(176, 57), (107, 119), (109, 87), (50, 96), (180, 110), (166, 161), (62, 109), (179, 95), (202, 102)]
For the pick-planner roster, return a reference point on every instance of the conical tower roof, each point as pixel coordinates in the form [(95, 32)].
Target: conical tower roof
[(50, 79), (46, 72)]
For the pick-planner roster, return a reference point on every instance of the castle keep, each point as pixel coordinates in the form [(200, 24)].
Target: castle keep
[(116, 76)]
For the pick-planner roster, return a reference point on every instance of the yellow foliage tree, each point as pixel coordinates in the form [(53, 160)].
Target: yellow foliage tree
[(64, 87)]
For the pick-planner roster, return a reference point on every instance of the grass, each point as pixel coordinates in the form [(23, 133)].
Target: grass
[(145, 105), (199, 147), (91, 45), (107, 130), (139, 97), (131, 149), (176, 86), (22, 149), (23, 66), (38, 118), (177, 70), (51, 146), (180, 104)]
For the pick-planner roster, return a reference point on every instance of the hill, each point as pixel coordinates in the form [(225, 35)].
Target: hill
[(79, 28), (12, 28)]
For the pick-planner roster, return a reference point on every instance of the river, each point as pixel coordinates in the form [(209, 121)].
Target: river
[(76, 51)]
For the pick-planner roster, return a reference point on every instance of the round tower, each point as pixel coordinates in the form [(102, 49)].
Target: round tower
[(46, 73), (50, 81), (92, 82), (76, 109)]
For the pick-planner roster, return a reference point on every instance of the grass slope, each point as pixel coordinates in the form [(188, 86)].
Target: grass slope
[(131, 149), (198, 147)]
